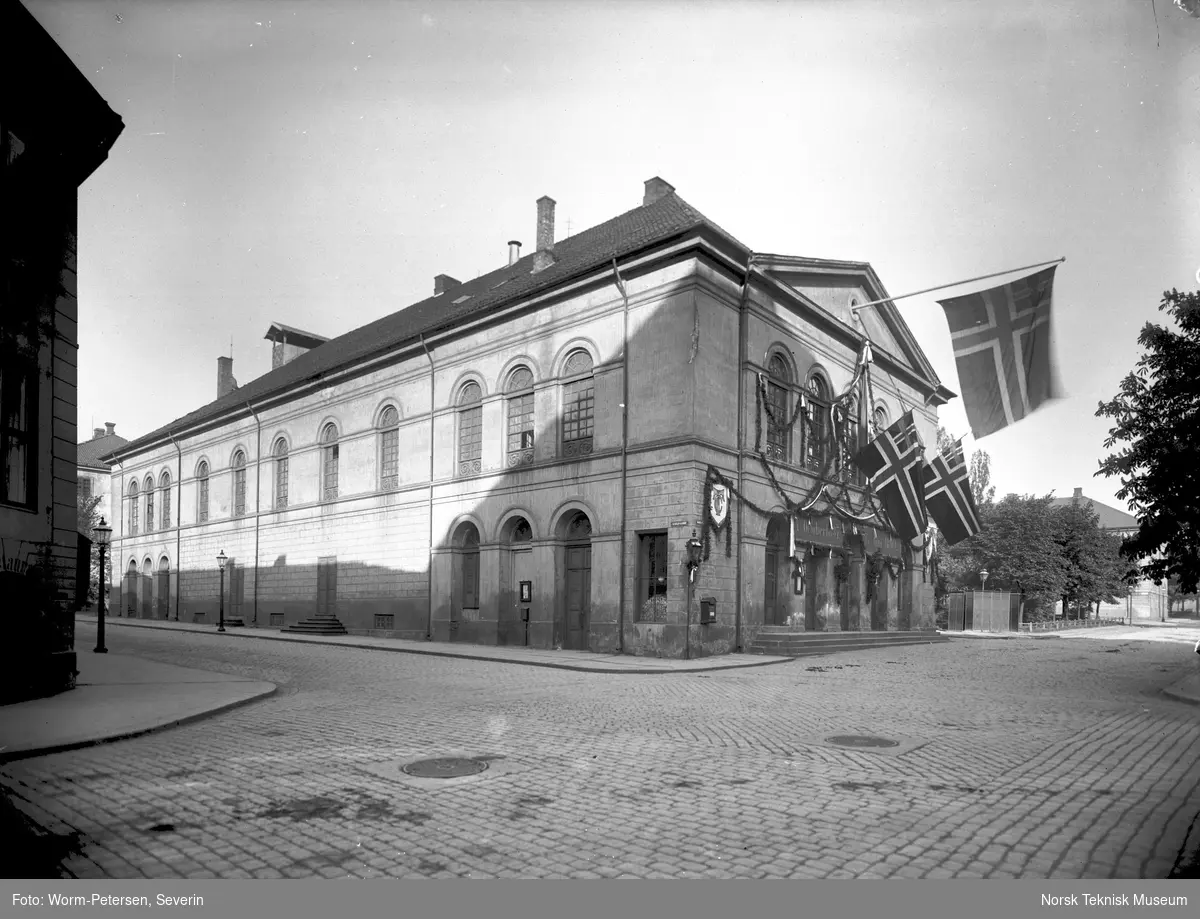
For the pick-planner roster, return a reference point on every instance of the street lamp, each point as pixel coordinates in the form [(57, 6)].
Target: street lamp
[(983, 576), (694, 550), (102, 533), (221, 560)]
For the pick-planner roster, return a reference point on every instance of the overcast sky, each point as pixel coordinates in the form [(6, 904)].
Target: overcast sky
[(317, 163)]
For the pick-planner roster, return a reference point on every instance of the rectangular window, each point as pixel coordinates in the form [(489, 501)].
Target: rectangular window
[(385, 621), (239, 492), (389, 460), (651, 599), (18, 433), (203, 515), (276, 619), (330, 490), (520, 430), (85, 488), (166, 504), (579, 409), (777, 438), (150, 510), (281, 483), (470, 440)]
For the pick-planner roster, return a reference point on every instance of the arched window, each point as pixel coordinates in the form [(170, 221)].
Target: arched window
[(389, 449), (280, 452), (133, 511), (239, 484), (164, 483), (579, 404), (149, 504), (848, 438), (816, 441), (202, 492), (520, 417), (329, 463), (470, 429), (778, 378), (879, 421)]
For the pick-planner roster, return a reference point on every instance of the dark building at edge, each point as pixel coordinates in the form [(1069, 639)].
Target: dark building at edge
[(55, 131)]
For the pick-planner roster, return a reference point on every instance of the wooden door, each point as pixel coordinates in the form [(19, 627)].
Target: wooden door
[(147, 591), (327, 586), (771, 587), (511, 628), (579, 596), (164, 589)]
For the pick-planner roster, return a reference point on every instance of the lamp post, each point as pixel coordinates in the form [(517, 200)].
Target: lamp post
[(694, 548), (221, 560), (102, 533), (983, 576)]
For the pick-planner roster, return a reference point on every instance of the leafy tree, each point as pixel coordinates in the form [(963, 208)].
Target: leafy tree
[(1094, 569), (980, 470), (1156, 414)]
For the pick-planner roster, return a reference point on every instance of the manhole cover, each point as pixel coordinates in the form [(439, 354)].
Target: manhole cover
[(861, 740), (444, 768)]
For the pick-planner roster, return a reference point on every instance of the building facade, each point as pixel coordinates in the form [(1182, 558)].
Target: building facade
[(94, 476), (523, 458), (55, 131), (1146, 601)]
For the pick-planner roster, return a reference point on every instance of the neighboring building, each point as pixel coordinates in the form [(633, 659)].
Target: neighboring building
[(1146, 601), (522, 458), (94, 475), (55, 130)]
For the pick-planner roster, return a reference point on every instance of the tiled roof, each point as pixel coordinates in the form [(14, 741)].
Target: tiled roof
[(649, 224), (89, 452), (1110, 517)]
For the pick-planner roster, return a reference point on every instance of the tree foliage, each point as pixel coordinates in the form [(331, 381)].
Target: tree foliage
[(88, 519), (1155, 415)]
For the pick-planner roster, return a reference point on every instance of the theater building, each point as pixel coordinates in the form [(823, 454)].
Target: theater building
[(524, 458)]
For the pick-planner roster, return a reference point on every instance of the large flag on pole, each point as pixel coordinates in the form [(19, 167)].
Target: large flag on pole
[(895, 462), (948, 495), (1002, 349)]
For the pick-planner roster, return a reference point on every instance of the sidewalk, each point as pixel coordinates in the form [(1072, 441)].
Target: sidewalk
[(118, 696), (532, 657)]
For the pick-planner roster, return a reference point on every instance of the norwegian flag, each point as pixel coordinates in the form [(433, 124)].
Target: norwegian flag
[(948, 495), (895, 462), (1002, 350)]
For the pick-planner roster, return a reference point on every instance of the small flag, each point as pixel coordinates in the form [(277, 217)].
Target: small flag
[(1002, 350), (895, 462), (948, 495)]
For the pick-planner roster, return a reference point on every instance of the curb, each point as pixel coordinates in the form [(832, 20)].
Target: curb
[(1186, 690), (579, 668), (139, 732)]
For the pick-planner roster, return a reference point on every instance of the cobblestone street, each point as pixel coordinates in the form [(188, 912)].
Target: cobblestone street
[(1027, 757)]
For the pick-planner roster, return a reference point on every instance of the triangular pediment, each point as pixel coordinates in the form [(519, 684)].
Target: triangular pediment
[(835, 287)]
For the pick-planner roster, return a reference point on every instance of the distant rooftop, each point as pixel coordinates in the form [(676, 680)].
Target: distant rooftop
[(1110, 517), (294, 336)]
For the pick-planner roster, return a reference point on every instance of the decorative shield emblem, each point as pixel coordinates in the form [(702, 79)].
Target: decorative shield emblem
[(718, 504)]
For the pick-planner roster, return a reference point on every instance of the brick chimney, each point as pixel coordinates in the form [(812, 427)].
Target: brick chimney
[(112, 427), (97, 432), (657, 188), (1078, 492), (225, 381), (544, 257), (514, 251), (443, 283)]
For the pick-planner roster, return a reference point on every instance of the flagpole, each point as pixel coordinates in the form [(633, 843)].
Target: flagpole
[(982, 277)]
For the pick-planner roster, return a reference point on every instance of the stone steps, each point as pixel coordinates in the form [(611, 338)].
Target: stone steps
[(782, 642), (318, 625)]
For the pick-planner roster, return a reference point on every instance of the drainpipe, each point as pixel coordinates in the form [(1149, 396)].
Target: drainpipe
[(257, 502), (429, 626), (121, 511), (741, 446), (178, 521), (624, 457)]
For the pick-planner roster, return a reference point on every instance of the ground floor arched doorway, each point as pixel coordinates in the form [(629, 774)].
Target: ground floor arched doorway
[(164, 587), (577, 593)]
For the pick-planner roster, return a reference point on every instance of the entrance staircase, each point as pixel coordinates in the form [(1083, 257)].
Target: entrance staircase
[(318, 625), (780, 641)]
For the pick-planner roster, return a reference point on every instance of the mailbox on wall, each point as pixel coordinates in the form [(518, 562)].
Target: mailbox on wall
[(708, 610)]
